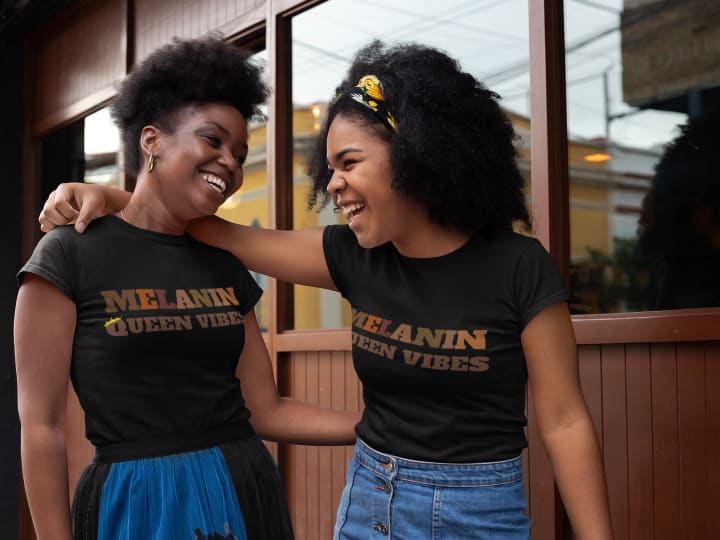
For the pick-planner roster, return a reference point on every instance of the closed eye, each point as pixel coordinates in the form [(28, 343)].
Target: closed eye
[(213, 140)]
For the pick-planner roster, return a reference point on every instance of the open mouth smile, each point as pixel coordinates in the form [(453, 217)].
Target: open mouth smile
[(351, 210), (215, 181)]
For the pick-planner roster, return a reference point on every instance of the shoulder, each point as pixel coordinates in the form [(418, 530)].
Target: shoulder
[(339, 233), (64, 237), (339, 240), (511, 244)]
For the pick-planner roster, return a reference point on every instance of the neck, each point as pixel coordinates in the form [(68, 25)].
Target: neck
[(431, 240), (146, 210)]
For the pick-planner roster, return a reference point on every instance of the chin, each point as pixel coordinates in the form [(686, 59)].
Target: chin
[(367, 242)]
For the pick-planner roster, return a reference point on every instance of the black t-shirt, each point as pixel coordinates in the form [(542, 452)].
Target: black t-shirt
[(159, 328), (436, 342)]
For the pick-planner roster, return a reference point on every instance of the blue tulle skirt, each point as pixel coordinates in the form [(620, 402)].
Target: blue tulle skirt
[(232, 491)]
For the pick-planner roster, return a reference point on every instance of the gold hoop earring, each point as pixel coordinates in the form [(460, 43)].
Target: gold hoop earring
[(151, 162)]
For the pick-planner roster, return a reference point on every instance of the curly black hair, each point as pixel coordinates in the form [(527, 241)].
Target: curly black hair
[(686, 183), (454, 151), (179, 74)]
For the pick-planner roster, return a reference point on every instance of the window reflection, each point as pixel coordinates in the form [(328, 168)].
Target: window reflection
[(101, 144), (488, 37), (249, 205), (642, 215)]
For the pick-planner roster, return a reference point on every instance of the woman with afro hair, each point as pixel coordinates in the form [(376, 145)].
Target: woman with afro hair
[(158, 333), (452, 311)]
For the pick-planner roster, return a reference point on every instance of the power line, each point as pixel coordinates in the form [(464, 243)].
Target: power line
[(595, 5)]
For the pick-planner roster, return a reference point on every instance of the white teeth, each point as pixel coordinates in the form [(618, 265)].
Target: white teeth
[(350, 210), (215, 181)]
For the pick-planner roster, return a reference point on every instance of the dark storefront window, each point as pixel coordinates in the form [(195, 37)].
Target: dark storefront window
[(643, 89)]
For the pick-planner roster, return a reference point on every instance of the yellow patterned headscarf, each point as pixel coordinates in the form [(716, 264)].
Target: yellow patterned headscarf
[(369, 93)]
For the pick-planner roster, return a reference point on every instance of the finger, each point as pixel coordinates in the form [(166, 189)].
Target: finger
[(90, 208), (55, 213), (64, 204), (52, 217)]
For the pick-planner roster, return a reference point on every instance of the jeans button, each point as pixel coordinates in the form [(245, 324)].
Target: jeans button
[(383, 487), (381, 527)]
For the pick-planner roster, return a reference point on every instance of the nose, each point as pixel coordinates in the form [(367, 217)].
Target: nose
[(236, 173), (228, 161), (335, 185)]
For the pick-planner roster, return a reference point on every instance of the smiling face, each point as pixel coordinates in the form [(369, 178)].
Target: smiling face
[(199, 163), (361, 184)]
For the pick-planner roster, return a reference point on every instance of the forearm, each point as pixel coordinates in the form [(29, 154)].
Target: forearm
[(115, 199), (297, 422), (293, 256), (575, 456), (44, 463)]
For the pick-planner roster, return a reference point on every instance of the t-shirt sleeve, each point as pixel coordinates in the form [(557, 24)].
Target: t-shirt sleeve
[(337, 248), (52, 260), (250, 291), (538, 283)]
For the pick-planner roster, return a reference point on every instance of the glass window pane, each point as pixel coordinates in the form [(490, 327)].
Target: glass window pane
[(488, 37), (249, 205), (101, 143), (644, 199)]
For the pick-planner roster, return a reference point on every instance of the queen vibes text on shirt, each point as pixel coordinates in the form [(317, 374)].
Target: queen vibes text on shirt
[(117, 302), (395, 341)]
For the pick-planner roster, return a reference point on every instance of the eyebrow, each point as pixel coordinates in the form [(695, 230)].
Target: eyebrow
[(339, 155), (225, 131)]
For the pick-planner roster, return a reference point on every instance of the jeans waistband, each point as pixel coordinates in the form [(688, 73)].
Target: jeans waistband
[(427, 472), (172, 444)]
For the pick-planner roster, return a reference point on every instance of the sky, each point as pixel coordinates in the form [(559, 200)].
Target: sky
[(490, 39)]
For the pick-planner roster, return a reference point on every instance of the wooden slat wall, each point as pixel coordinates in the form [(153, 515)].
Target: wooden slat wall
[(314, 475), (655, 407), (62, 94), (159, 21)]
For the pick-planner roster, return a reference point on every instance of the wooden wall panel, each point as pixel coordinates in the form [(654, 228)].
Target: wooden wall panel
[(62, 94), (692, 451), (614, 430), (659, 434), (663, 370), (158, 21), (315, 475), (640, 499), (712, 392)]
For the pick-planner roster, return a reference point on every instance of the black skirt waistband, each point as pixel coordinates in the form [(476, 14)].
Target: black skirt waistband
[(173, 444)]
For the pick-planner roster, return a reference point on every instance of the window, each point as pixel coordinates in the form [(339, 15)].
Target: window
[(644, 199), (488, 37), (249, 205)]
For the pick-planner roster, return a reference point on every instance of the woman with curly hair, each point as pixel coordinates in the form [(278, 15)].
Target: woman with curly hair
[(155, 329), (452, 311)]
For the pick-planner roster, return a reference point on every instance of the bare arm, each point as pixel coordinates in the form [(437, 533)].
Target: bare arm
[(284, 419), (565, 423), (80, 203), (44, 328), (292, 256)]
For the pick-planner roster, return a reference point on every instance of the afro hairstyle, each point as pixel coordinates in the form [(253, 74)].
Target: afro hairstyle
[(454, 151), (180, 74)]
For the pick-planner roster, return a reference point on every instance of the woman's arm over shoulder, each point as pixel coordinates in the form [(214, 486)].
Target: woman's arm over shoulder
[(293, 256), (564, 421), (43, 332), (283, 419), (80, 203)]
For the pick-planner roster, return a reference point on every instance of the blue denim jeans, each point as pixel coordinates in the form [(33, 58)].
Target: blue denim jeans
[(402, 499)]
